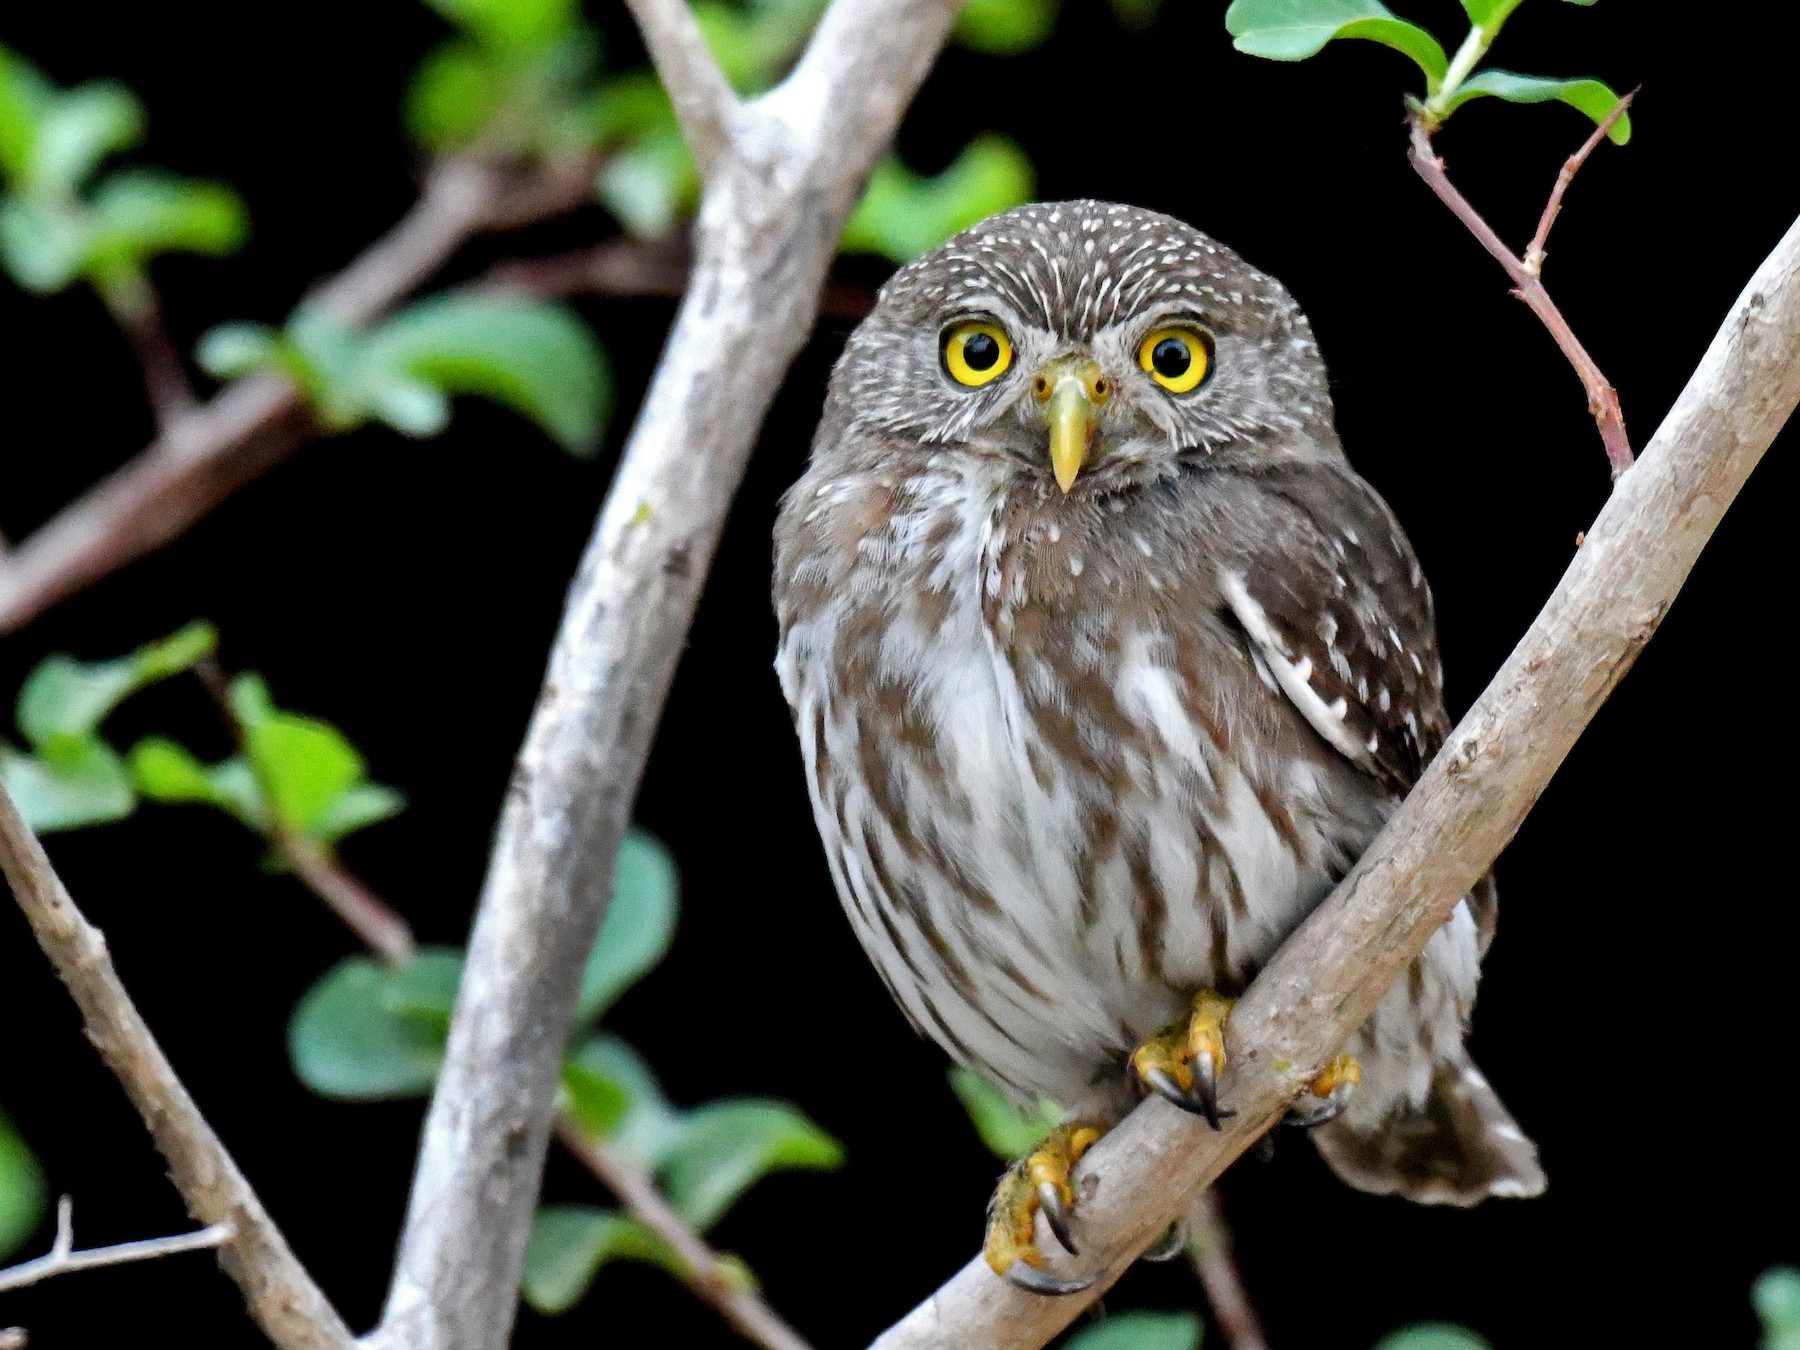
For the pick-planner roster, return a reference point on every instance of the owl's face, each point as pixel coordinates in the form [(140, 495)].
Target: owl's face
[(1089, 343)]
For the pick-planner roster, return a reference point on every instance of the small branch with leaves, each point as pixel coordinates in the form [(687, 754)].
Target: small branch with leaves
[(63, 1259)]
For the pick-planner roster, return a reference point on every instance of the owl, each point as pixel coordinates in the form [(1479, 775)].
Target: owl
[(1106, 666)]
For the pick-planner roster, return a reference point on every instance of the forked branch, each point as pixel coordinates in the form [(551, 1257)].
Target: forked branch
[(1328, 977), (63, 1259)]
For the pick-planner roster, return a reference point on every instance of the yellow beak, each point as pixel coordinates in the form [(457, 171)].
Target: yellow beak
[(1071, 389)]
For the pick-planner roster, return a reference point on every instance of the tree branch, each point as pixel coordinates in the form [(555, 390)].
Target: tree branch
[(1209, 1249), (137, 310), (768, 227), (282, 1298), (1603, 399), (1327, 978), (63, 1259), (704, 103), (1534, 251), (205, 455)]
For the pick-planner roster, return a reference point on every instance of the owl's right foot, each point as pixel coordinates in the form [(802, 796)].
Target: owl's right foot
[(1038, 1184), (1184, 1060)]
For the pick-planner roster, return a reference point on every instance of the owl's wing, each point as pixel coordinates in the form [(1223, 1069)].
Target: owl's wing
[(1340, 619)]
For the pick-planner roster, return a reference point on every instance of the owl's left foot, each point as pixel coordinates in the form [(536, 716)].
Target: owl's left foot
[(1184, 1060), (1328, 1095), (1038, 1183)]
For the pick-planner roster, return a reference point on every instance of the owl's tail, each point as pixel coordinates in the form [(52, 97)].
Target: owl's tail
[(1459, 1148)]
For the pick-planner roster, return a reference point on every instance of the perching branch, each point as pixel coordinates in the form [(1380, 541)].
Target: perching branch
[(63, 1259), (774, 208), (1603, 399), (205, 455), (1327, 978), (282, 1298)]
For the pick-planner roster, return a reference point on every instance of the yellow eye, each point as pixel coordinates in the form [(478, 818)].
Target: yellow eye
[(1177, 358), (976, 352)]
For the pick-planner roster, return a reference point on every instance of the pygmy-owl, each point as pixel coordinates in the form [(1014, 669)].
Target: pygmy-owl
[(1105, 667)]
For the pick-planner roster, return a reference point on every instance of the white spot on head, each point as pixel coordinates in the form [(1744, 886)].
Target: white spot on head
[(1075, 563)]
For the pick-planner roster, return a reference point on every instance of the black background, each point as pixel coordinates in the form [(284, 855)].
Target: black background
[(1637, 1008)]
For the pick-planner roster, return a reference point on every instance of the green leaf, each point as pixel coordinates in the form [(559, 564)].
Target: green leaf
[(234, 349), (367, 1032), (73, 781), (512, 23), (756, 44), (66, 697), (534, 357), (598, 1101), (570, 1243), (1005, 27), (23, 1193), (303, 764), (24, 96), (361, 806), (650, 1127), (1140, 1331), (1292, 30), (1776, 1298), (142, 213), (165, 771), (1592, 97), (651, 184), (1489, 15), (78, 130), (1432, 1336), (42, 245), (640, 924), (725, 1147), (453, 96), (903, 215), (1008, 1131)]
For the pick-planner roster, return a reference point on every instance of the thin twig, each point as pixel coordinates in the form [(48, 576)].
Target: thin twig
[(704, 103), (747, 1314), (1603, 399), (253, 424), (1327, 978), (63, 1259), (773, 211), (1534, 252), (137, 310), (1209, 1248), (282, 1298)]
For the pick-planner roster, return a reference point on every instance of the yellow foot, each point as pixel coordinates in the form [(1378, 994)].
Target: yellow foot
[(1184, 1060), (1038, 1183), (1329, 1093)]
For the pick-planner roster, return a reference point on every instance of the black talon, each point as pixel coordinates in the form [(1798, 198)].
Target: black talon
[(1050, 1202), (1170, 1245), (1043, 1282), (1308, 1120), (1201, 1101)]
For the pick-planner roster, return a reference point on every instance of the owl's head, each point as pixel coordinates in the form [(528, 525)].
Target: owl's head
[(1091, 343)]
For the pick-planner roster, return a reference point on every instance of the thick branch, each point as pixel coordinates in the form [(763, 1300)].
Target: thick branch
[(63, 1259), (205, 455), (1603, 399), (292, 1311), (1328, 977), (704, 103), (767, 230)]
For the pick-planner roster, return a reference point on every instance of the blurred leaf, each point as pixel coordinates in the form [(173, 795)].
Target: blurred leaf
[(1592, 97), (42, 246), (141, 213), (511, 23), (1292, 30), (72, 782), (24, 94), (368, 1032), (234, 349), (1008, 1131), (63, 696), (165, 771), (361, 806), (650, 185), (570, 1243), (303, 764), (79, 128), (22, 1190), (725, 1147), (903, 215), (1135, 15), (1005, 27), (1432, 1336), (1776, 1297), (631, 106), (755, 44), (534, 357), (649, 1127), (598, 1101), (639, 925), (455, 93), (1140, 1331), (1488, 15)]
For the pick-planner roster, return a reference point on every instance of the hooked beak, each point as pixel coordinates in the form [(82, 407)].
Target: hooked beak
[(1070, 390)]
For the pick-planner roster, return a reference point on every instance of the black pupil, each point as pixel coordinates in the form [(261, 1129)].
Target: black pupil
[(980, 351), (1171, 358)]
